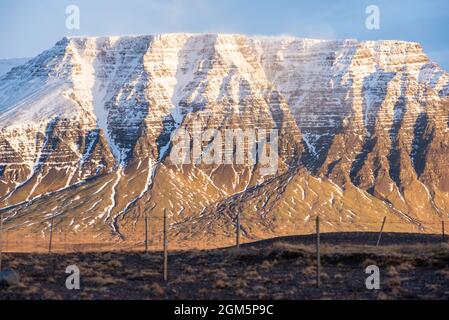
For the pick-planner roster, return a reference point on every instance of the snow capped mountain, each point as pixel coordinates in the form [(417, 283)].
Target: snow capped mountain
[(86, 127), (7, 64)]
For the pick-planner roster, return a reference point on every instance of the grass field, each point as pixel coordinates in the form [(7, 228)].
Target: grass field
[(412, 267)]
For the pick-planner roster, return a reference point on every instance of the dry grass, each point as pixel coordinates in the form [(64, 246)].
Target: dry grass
[(368, 262), (309, 271), (220, 284), (105, 280), (274, 271), (406, 267), (444, 273), (157, 290), (392, 272), (114, 264), (393, 282)]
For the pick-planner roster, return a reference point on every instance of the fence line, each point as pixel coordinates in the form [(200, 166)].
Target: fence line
[(17, 240)]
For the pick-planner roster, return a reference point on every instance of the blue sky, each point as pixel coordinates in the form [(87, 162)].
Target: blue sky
[(28, 27)]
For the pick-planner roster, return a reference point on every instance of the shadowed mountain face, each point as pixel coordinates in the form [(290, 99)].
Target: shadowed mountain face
[(7, 64), (87, 127)]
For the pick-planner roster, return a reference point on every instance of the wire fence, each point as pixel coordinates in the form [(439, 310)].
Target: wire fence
[(157, 241), (150, 237)]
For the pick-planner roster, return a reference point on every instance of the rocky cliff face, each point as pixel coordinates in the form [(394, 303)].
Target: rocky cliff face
[(87, 127)]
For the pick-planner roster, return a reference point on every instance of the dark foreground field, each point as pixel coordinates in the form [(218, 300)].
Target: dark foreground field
[(412, 267)]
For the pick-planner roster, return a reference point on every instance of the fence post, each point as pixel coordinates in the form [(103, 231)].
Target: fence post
[(237, 231), (51, 233), (165, 247), (7, 241), (153, 234), (318, 257), (442, 230), (1, 240), (146, 233), (381, 231)]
